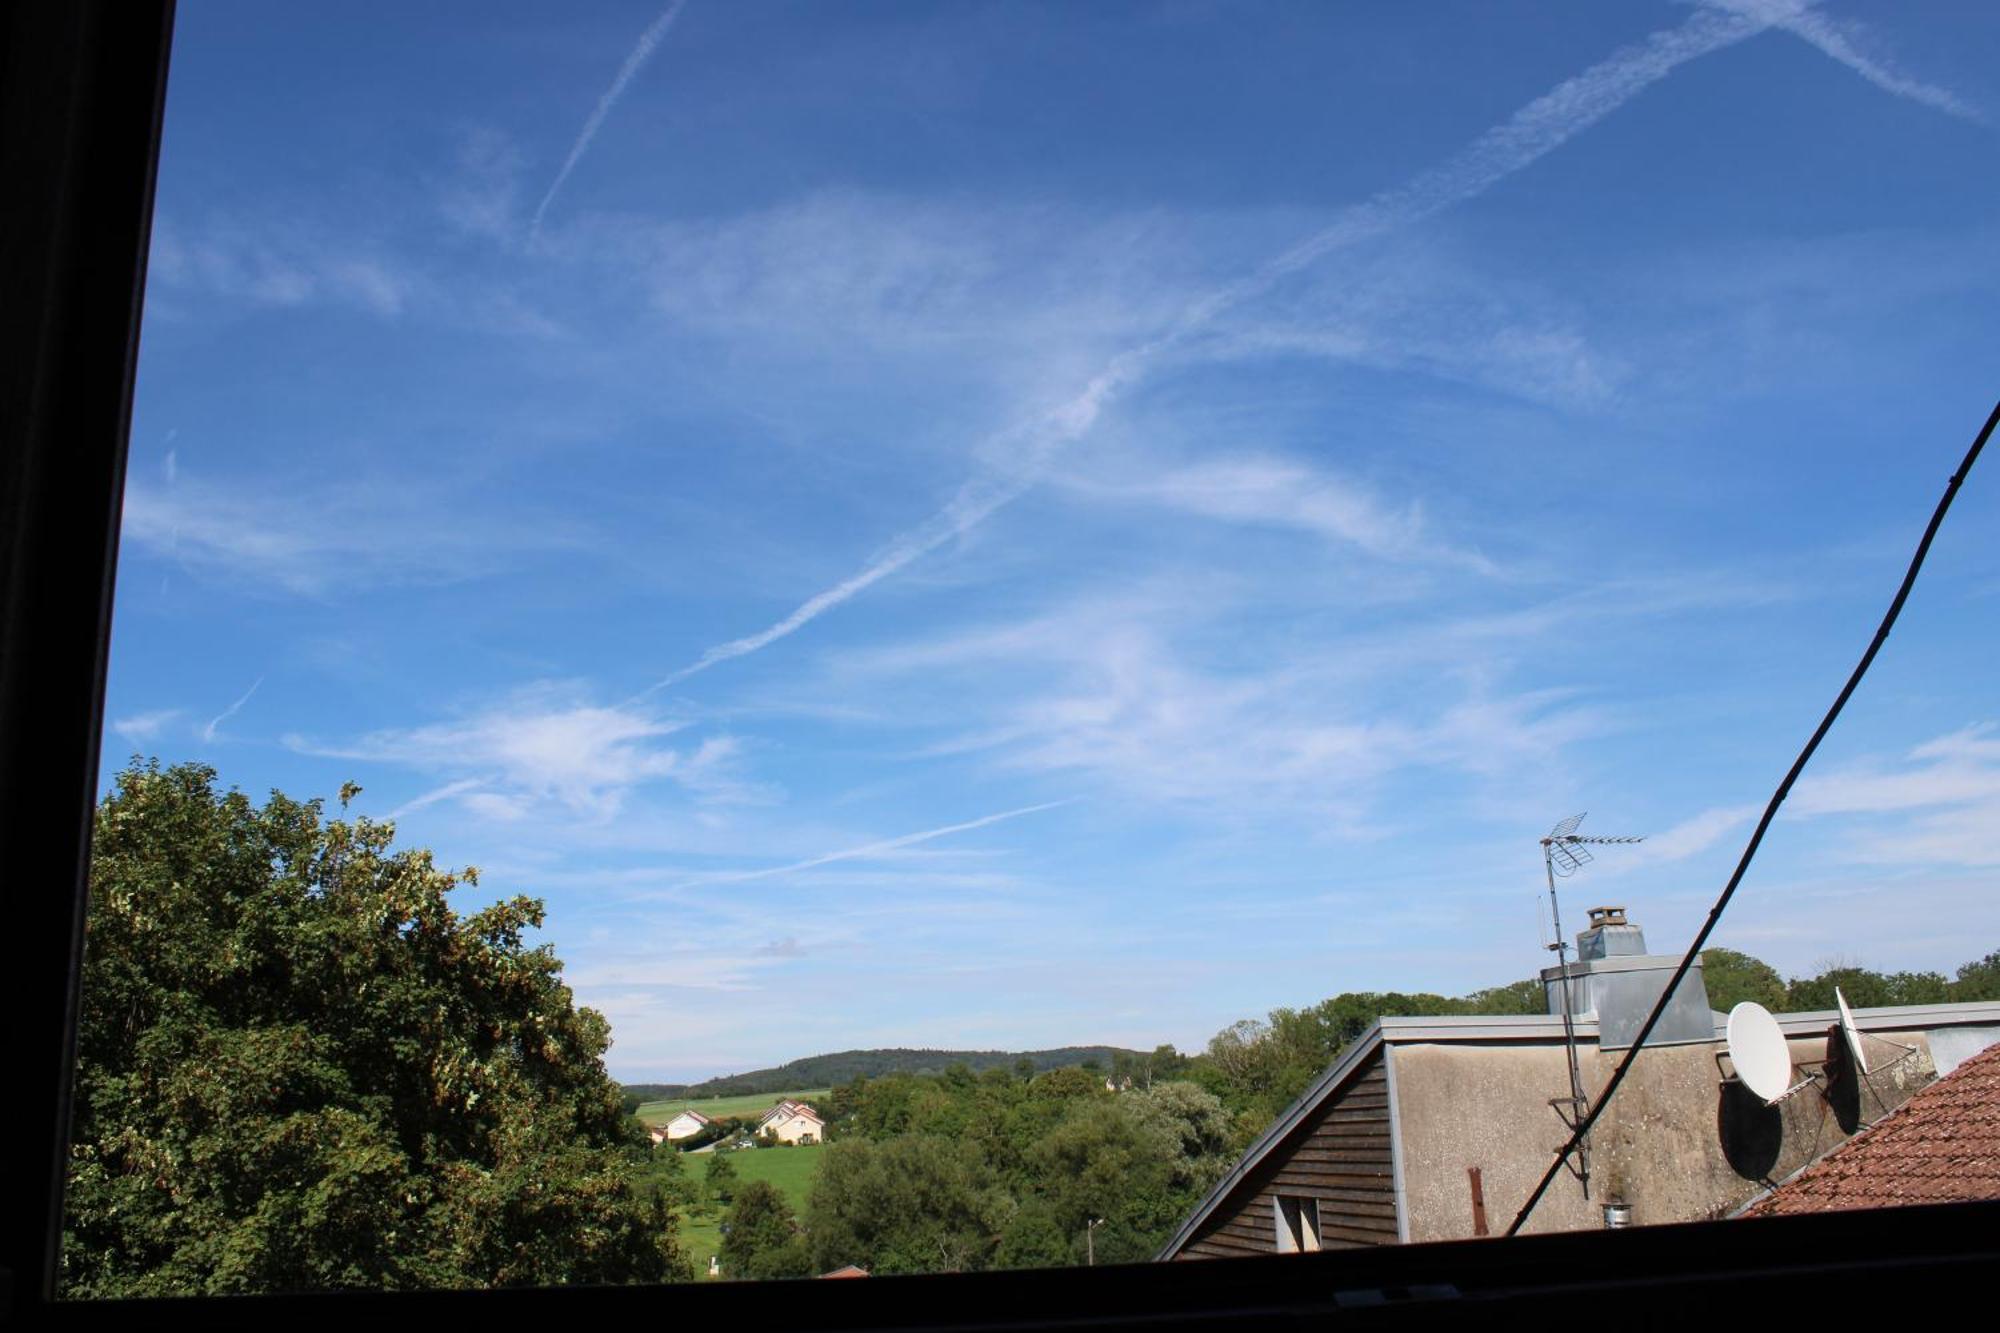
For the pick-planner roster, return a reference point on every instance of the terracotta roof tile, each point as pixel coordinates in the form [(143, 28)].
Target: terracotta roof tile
[(1941, 1146)]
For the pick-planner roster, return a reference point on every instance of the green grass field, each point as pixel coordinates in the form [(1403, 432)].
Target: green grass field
[(659, 1113), (789, 1170)]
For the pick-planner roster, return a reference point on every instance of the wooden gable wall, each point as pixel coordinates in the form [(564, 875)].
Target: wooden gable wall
[(1340, 1156)]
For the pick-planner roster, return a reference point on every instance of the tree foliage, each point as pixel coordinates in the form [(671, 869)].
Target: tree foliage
[(300, 1068), (760, 1237), (1733, 978), (720, 1176), (958, 1173)]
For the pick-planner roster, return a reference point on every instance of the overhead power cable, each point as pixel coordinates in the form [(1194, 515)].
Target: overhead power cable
[(1582, 1130)]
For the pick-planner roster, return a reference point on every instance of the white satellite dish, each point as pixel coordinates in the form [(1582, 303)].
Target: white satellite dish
[(1758, 1049), (1853, 1032)]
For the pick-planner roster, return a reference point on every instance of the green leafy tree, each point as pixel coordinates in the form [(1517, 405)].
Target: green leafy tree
[(1978, 980), (1733, 978), (1065, 1084), (760, 1237), (913, 1204), (1164, 1063), (299, 1068), (1525, 996), (1194, 1122), (721, 1176), (1860, 987), (1918, 988), (1104, 1162)]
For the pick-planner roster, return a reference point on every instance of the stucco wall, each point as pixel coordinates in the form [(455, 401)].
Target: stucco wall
[(794, 1128), (1677, 1143)]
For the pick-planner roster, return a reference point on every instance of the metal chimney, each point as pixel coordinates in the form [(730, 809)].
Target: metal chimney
[(1616, 982)]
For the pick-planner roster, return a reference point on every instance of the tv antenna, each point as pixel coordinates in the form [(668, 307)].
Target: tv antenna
[(1564, 852)]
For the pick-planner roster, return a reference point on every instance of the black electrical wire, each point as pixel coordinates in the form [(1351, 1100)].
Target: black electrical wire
[(1770, 811)]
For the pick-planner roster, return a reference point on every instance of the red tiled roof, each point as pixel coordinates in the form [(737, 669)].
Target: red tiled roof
[(1941, 1146)]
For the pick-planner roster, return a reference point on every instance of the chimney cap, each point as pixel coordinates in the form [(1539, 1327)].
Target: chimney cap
[(1608, 916)]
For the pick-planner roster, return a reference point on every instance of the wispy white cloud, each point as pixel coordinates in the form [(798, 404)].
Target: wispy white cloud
[(1531, 133), (318, 538), (1938, 804), (1282, 493), (208, 732), (1164, 698), (547, 743), (277, 265), (1695, 834), (481, 196), (1956, 769), (641, 53), (142, 728)]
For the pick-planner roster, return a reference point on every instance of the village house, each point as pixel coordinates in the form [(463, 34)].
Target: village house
[(1430, 1129), (792, 1122), (684, 1126)]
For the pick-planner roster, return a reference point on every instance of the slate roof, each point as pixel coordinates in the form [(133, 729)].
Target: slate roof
[(1941, 1146)]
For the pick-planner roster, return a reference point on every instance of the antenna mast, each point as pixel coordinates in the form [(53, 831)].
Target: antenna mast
[(1563, 854)]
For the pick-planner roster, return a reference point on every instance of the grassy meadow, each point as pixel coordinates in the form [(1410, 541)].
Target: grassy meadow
[(789, 1170), (660, 1112)]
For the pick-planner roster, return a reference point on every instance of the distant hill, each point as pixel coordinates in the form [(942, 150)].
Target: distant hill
[(823, 1071)]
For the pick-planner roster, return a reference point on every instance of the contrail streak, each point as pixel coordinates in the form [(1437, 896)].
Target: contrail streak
[(626, 73), (1530, 133), (436, 794), (870, 849), (208, 732), (1799, 18)]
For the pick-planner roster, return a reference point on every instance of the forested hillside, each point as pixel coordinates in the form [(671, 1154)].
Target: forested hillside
[(820, 1071)]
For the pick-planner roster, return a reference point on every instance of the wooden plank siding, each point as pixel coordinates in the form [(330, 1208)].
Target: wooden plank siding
[(1340, 1156)]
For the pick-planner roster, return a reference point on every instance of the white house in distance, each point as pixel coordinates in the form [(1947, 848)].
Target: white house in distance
[(685, 1126), (792, 1122)]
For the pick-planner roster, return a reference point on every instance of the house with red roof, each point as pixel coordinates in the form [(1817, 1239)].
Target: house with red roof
[(792, 1122)]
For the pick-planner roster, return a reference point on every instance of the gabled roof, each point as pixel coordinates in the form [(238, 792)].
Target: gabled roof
[(691, 1111), (1349, 1064), (1941, 1146)]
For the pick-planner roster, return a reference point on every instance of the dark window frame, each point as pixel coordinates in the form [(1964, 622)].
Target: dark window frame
[(82, 86)]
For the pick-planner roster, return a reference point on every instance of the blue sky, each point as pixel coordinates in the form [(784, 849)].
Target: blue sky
[(1003, 525)]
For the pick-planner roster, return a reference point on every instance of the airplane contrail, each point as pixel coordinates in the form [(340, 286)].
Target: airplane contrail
[(1836, 41), (1530, 133), (626, 73), (208, 732), (866, 850)]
